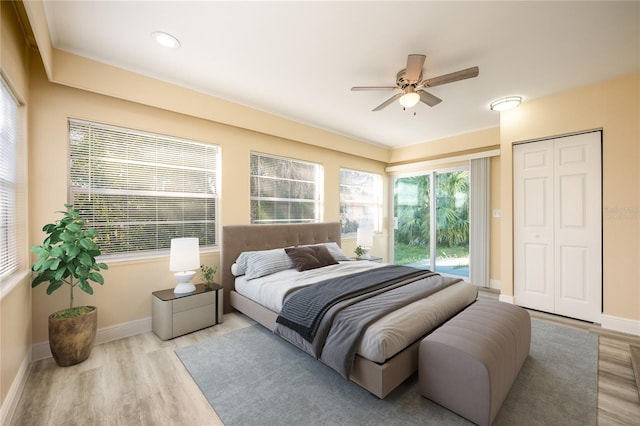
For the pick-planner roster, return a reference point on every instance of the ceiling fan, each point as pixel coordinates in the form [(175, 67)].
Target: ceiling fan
[(410, 85)]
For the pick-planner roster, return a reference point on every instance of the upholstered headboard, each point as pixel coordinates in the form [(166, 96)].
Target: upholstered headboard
[(239, 238)]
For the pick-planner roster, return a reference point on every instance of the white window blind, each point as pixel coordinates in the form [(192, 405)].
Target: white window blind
[(140, 190), (360, 200), (284, 190), (9, 232)]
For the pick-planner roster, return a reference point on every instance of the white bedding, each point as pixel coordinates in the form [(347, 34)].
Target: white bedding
[(385, 337), (270, 290)]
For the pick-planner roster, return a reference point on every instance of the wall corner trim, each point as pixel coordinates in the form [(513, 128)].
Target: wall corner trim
[(505, 298), (622, 325)]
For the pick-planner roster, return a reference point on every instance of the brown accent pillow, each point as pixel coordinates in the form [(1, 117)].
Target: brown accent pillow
[(310, 257)]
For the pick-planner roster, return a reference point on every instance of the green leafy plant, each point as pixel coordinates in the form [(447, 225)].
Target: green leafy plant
[(359, 251), (68, 255), (208, 273)]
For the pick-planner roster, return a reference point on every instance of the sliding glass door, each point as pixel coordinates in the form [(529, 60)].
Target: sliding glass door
[(452, 223), (431, 221), (412, 215)]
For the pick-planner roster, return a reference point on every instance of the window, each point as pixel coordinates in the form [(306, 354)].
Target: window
[(284, 190), (360, 200), (140, 190), (9, 204)]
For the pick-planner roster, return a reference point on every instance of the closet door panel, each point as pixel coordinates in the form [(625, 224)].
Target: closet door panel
[(578, 226), (533, 225)]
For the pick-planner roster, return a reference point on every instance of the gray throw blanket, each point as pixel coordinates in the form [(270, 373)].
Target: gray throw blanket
[(304, 309), (347, 325), (340, 329)]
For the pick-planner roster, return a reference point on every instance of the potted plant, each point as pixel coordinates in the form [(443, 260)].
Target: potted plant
[(68, 256), (208, 273), (359, 251)]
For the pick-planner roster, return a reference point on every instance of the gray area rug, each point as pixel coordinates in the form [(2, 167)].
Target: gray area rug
[(252, 377)]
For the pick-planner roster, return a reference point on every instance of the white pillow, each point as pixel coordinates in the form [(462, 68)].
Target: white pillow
[(255, 264), (235, 270), (336, 251)]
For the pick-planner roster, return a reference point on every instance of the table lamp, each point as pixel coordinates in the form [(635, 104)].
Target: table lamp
[(184, 257), (364, 238)]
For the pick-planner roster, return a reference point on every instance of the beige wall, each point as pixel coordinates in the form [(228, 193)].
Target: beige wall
[(614, 107), (15, 305), (126, 295), (480, 140)]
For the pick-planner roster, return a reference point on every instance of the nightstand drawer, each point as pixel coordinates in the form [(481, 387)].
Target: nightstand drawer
[(193, 302), (194, 319)]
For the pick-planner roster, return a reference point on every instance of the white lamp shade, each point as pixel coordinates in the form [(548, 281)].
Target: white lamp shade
[(409, 100), (364, 237), (184, 254)]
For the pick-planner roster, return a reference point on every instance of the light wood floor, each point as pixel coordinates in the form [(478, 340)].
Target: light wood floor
[(140, 381)]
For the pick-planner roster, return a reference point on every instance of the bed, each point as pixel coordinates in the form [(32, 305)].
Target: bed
[(378, 377)]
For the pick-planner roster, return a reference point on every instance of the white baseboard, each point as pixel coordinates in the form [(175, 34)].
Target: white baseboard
[(15, 391), (506, 299), (622, 325), (495, 284), (107, 334)]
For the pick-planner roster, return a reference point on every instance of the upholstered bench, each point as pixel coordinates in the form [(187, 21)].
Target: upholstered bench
[(469, 364)]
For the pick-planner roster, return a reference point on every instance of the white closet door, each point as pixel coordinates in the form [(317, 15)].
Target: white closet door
[(558, 226), (533, 225), (578, 226)]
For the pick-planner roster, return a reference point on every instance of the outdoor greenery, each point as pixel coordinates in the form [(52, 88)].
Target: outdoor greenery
[(405, 254), (411, 201), (67, 255)]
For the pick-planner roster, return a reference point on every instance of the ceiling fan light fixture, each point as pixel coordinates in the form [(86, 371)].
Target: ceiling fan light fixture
[(506, 103), (409, 100), (165, 39)]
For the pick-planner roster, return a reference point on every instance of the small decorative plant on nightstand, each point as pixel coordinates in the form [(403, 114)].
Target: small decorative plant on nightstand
[(359, 251), (208, 274)]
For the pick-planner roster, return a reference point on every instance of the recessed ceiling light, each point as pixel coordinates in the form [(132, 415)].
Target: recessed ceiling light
[(165, 39), (504, 104)]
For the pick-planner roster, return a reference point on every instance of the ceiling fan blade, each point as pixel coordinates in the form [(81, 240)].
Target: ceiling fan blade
[(428, 98), (450, 78), (357, 88), (414, 67), (388, 102)]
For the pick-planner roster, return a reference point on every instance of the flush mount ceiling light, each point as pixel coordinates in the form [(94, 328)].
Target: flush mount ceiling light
[(165, 39), (504, 104)]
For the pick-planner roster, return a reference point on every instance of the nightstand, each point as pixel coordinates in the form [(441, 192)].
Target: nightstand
[(372, 259), (174, 315)]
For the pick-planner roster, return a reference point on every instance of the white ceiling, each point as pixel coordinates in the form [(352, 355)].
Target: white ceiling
[(298, 60)]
